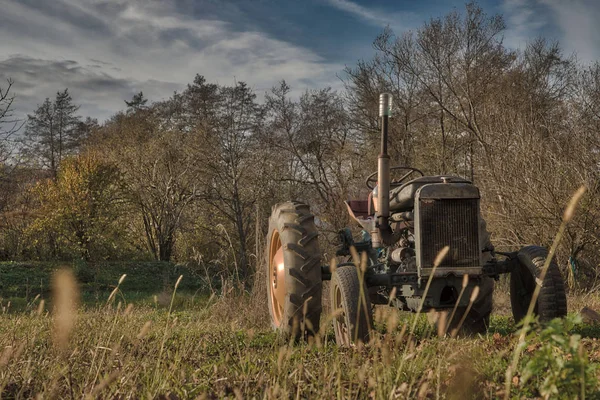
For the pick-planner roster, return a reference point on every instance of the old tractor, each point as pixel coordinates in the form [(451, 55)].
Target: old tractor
[(406, 223)]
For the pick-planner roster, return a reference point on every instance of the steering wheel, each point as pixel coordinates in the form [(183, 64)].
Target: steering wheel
[(372, 179)]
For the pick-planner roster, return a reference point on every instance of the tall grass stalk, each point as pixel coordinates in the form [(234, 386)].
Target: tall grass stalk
[(115, 290), (109, 335), (567, 216), (66, 295), (360, 263), (474, 295), (465, 283), (438, 260), (165, 335), (235, 263)]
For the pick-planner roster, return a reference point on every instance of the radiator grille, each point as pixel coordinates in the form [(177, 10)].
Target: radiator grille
[(449, 222)]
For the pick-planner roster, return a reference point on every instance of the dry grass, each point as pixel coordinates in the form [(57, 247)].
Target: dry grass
[(223, 347), (567, 216)]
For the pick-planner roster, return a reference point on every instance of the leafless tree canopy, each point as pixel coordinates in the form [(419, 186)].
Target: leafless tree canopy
[(9, 123)]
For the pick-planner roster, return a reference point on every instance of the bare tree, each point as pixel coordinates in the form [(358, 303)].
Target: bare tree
[(226, 143), (320, 153), (10, 124), (160, 175), (363, 85)]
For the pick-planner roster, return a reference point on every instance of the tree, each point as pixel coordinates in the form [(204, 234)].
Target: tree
[(52, 132), (83, 130), (411, 106), (458, 62), (6, 101), (9, 123), (160, 174), (9, 126), (320, 153), (137, 102), (226, 132), (80, 208)]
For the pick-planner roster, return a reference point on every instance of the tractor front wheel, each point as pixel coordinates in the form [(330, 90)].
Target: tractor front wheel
[(294, 284), (552, 300), (353, 316)]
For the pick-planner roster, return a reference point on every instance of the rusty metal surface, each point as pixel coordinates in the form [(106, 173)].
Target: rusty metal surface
[(447, 214), (277, 289)]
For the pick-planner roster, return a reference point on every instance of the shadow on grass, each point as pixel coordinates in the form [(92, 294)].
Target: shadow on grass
[(587, 331)]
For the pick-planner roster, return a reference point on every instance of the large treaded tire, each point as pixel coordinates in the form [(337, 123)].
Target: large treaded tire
[(356, 320), (552, 301), (298, 235)]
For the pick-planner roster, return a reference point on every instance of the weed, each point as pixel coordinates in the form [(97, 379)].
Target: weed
[(555, 364)]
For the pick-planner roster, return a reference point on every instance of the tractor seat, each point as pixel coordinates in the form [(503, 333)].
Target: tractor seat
[(402, 198)]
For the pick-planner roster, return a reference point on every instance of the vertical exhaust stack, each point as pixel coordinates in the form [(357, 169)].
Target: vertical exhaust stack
[(383, 161), (383, 231)]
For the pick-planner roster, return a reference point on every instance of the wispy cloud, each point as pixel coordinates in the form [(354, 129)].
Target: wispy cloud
[(99, 93), (373, 16), (524, 21), (105, 50), (578, 22), (573, 23)]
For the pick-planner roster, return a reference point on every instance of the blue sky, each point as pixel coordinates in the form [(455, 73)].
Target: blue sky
[(106, 50)]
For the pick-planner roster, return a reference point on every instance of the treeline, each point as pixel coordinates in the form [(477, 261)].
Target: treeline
[(194, 177)]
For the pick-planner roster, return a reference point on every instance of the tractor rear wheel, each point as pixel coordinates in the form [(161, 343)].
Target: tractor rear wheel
[(352, 307), (552, 300), (293, 258)]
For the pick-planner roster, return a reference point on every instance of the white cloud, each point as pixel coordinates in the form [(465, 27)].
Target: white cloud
[(522, 22), (99, 93), (396, 21), (578, 21), (137, 45), (573, 22)]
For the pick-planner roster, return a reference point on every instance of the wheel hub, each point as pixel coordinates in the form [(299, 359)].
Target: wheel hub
[(339, 323), (277, 291), (279, 277)]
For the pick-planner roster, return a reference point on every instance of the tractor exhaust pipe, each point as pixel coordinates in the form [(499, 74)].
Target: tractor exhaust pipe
[(384, 231), (383, 161)]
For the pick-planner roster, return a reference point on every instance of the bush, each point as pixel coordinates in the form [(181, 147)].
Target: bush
[(557, 366)]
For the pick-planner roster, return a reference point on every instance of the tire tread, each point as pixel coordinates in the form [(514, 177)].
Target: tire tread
[(552, 300), (302, 256)]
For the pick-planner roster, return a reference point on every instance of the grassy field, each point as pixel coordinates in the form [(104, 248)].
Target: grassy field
[(22, 282), (191, 346)]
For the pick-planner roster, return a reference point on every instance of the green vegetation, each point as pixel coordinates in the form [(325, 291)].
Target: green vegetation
[(96, 280), (193, 177), (222, 346), (558, 366)]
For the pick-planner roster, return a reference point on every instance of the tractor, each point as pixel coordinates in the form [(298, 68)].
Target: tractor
[(424, 246)]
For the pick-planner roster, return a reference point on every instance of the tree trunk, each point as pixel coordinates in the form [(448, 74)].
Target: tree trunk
[(165, 248), (239, 222)]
